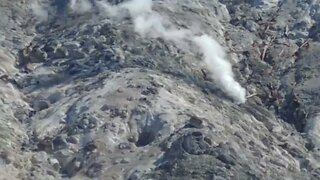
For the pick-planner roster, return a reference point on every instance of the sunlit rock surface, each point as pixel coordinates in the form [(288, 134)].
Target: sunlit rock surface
[(83, 95)]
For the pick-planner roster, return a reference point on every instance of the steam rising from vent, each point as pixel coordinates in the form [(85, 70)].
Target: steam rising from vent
[(138, 7), (80, 6), (151, 24), (39, 11), (221, 70), (313, 129), (146, 22)]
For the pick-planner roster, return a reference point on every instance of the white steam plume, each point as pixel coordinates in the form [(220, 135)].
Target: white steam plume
[(220, 68), (80, 6), (152, 26), (313, 129), (149, 23), (107, 9), (138, 7), (39, 11)]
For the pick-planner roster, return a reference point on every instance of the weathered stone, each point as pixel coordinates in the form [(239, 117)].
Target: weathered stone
[(55, 163), (100, 82), (61, 52), (125, 161), (94, 170), (59, 143), (7, 157), (72, 139), (125, 146), (40, 105), (196, 122)]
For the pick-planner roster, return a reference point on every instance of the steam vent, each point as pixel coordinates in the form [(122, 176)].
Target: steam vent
[(160, 89)]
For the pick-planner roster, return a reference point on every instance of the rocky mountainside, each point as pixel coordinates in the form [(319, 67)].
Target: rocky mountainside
[(163, 89)]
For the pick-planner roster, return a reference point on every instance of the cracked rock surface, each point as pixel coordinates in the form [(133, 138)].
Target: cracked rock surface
[(83, 96)]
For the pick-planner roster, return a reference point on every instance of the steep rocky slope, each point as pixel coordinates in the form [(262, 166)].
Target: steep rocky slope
[(84, 95)]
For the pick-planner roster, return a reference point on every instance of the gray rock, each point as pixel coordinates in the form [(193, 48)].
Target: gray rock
[(72, 139), (125, 146), (124, 161), (61, 52), (112, 104), (40, 105), (37, 56), (94, 170), (197, 122), (55, 163), (77, 54), (59, 143), (39, 158), (7, 157)]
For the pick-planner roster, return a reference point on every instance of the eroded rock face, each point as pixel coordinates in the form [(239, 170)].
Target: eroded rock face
[(83, 95)]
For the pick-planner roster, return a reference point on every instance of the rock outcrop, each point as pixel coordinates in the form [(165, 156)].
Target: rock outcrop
[(83, 95)]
